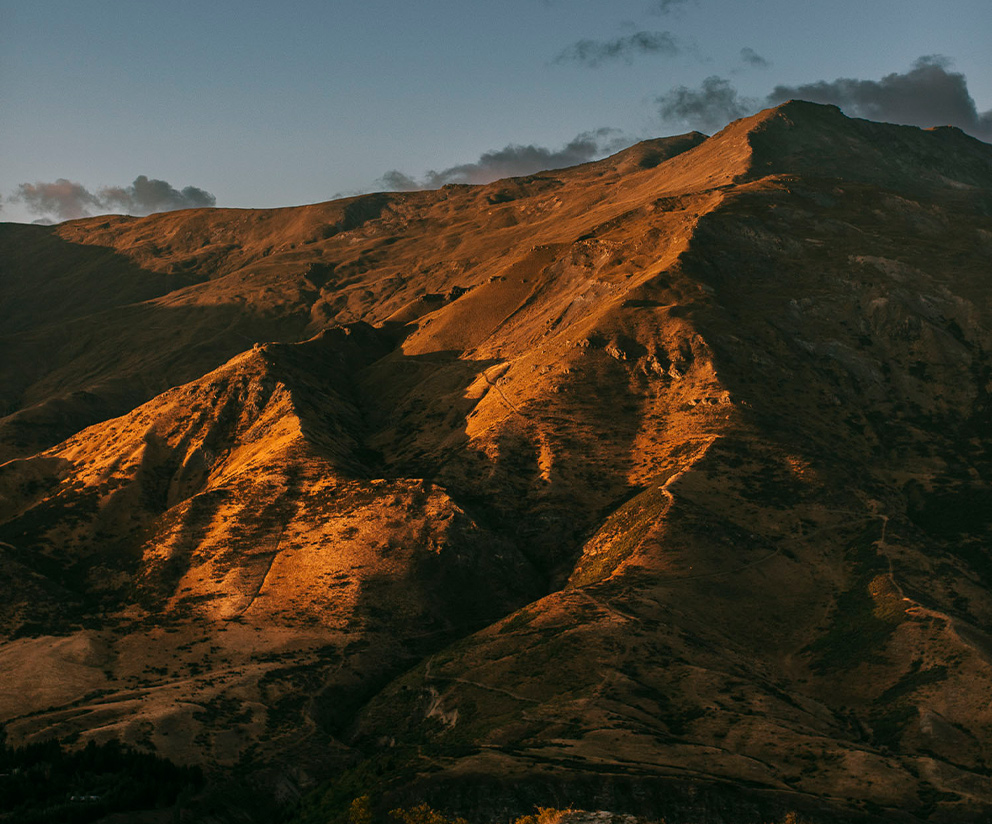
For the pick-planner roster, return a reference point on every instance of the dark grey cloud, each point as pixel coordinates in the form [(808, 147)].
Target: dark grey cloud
[(67, 200), (395, 181), (513, 160), (144, 196), (929, 94), (709, 108), (63, 199), (753, 59), (594, 53)]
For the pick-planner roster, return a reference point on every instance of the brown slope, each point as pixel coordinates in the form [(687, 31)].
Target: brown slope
[(173, 557), (802, 609), (222, 541), (692, 396), (251, 275), (401, 399)]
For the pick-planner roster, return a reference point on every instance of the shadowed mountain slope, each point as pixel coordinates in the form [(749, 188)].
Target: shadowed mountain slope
[(660, 484)]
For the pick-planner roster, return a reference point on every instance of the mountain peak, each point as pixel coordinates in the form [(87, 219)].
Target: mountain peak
[(796, 107), (819, 140)]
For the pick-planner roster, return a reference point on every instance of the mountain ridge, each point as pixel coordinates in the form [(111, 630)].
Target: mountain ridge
[(661, 481)]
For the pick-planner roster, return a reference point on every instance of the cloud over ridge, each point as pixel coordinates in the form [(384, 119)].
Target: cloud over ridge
[(513, 160), (929, 94), (708, 108), (63, 199), (144, 196), (66, 200)]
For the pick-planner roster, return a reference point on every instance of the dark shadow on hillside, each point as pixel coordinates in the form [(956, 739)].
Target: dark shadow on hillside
[(865, 353), (47, 281), (82, 342)]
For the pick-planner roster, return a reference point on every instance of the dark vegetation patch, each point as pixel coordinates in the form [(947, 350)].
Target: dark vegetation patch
[(916, 678), (332, 803), (861, 623), (888, 725), (952, 509), (42, 783), (893, 710)]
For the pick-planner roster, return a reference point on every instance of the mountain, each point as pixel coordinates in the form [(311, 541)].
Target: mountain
[(660, 484)]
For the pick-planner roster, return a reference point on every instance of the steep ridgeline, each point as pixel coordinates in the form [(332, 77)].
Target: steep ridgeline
[(661, 483)]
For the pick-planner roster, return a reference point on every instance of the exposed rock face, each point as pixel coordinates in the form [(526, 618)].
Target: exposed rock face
[(669, 472)]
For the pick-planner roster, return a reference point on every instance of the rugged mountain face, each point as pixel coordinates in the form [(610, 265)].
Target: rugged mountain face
[(661, 483)]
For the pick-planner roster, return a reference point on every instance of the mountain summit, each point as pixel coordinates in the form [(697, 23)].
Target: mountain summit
[(660, 484)]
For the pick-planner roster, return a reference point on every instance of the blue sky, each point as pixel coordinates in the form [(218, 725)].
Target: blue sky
[(264, 104)]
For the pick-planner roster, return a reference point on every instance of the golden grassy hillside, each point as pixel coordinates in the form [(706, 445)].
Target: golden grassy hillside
[(659, 479)]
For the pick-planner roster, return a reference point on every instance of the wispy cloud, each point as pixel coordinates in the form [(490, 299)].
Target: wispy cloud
[(665, 7), (708, 108), (67, 200), (751, 58), (513, 160), (929, 94), (593, 53)]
